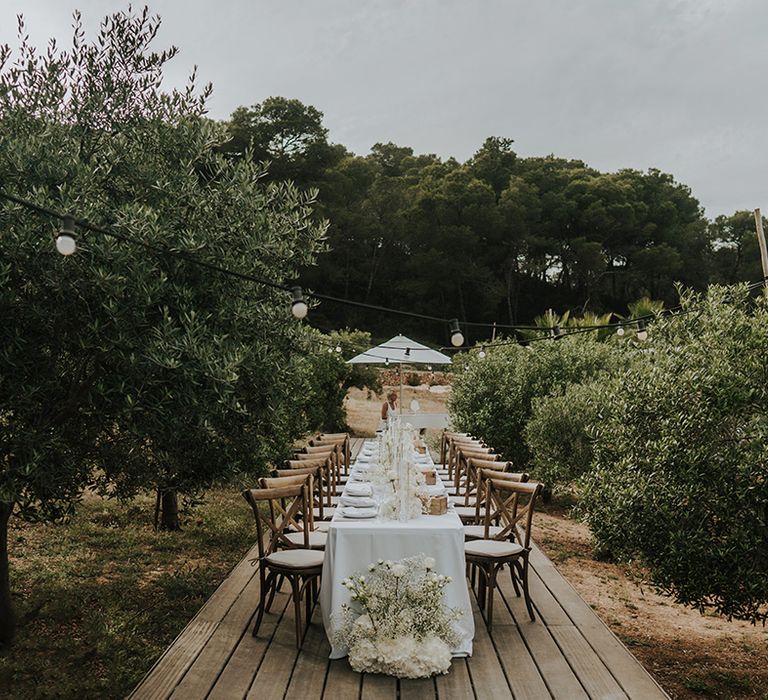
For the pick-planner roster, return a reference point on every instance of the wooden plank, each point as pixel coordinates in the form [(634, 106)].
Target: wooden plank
[(237, 676), (311, 667), (202, 674), (550, 662), (378, 687), (587, 665), (417, 689), (542, 648), (522, 673), (163, 679), (274, 674), (456, 683), (624, 667), (342, 682), (485, 670)]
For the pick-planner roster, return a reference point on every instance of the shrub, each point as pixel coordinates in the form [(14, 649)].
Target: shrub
[(328, 377), (559, 432), (413, 379), (493, 397), (680, 474)]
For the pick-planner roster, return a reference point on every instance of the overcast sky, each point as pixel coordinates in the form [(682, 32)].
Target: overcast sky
[(678, 85)]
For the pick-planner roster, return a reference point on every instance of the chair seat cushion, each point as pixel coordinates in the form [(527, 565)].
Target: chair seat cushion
[(492, 549), (296, 559), (322, 525), (316, 539), (477, 532), (460, 501), (465, 511)]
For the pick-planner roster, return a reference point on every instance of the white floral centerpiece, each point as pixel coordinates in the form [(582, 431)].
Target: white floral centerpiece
[(396, 475), (397, 622)]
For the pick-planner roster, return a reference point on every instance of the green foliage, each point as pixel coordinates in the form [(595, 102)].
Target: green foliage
[(679, 476), (558, 431), (328, 377), (118, 365), (497, 238), (494, 397)]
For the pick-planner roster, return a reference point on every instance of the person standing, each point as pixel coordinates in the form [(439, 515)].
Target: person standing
[(388, 409)]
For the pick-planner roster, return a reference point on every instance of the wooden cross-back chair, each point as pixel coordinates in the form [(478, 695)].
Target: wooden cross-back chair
[(445, 439), (325, 475), (294, 538), (509, 503), (346, 445), (458, 445), (322, 512), (275, 510), (475, 530), (332, 452), (467, 503), (462, 455)]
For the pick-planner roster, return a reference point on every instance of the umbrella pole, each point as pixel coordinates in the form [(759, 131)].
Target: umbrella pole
[(401, 388)]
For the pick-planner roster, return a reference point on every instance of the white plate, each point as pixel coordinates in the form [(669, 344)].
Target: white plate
[(350, 512)]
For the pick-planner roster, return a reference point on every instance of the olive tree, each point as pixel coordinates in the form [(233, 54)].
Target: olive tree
[(493, 397), (119, 365), (680, 470)]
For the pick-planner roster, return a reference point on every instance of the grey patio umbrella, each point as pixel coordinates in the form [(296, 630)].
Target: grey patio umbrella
[(400, 351)]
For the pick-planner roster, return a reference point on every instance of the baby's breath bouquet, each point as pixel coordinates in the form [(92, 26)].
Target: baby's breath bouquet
[(396, 622)]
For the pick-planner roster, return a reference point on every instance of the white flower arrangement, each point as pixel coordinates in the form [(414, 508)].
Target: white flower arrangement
[(396, 475), (397, 622)]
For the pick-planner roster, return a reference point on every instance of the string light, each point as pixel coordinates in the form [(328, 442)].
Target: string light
[(481, 354), (457, 337), (642, 333), (66, 245), (299, 307), (65, 238), (338, 348)]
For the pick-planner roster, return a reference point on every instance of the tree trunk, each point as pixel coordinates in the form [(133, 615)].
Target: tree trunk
[(169, 510), (7, 615)]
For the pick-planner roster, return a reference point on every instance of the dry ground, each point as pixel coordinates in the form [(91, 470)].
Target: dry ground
[(691, 655)]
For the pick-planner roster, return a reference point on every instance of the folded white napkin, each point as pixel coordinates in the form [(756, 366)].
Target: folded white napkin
[(355, 488), (358, 501)]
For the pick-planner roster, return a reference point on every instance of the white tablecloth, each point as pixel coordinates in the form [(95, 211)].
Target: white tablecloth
[(354, 544)]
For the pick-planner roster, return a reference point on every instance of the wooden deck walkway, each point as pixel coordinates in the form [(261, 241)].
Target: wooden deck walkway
[(567, 653)]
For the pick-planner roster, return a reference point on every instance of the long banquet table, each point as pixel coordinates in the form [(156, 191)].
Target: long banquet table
[(354, 544)]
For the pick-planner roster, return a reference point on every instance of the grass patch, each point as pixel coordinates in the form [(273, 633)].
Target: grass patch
[(102, 596)]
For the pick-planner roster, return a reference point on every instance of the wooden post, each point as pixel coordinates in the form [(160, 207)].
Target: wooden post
[(763, 249)]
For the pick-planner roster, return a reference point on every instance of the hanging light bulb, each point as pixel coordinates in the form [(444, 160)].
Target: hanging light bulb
[(299, 307), (330, 350), (556, 332), (481, 354), (642, 334), (386, 360), (429, 367), (407, 352), (338, 348), (65, 239), (620, 330), (457, 337)]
